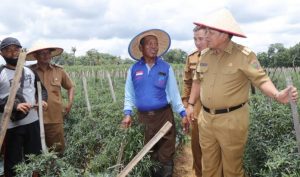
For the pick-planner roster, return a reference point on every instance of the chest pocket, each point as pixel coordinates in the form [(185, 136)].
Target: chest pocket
[(56, 85), (230, 74), (228, 70), (161, 80)]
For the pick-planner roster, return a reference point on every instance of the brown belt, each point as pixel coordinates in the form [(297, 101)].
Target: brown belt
[(222, 111), (154, 112)]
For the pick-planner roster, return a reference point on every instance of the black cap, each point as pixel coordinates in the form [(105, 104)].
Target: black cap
[(9, 41)]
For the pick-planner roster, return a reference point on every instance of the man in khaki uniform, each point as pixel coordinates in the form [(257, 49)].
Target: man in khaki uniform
[(189, 70), (54, 78), (222, 81)]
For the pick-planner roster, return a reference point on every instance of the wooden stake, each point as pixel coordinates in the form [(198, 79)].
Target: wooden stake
[(145, 149), (86, 95), (294, 112), (111, 87), (41, 118), (11, 97)]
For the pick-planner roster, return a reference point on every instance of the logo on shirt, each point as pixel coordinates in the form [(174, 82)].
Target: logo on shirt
[(139, 73), (255, 65), (161, 82)]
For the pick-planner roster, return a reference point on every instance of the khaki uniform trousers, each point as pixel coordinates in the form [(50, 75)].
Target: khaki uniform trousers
[(223, 138), (195, 143), (54, 134)]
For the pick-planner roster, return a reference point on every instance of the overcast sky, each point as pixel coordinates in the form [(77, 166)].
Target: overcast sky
[(109, 25)]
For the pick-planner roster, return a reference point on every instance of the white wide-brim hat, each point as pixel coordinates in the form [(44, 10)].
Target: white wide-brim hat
[(41, 46), (222, 20), (163, 38)]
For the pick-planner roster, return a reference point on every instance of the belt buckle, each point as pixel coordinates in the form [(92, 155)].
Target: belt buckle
[(212, 111), (151, 113)]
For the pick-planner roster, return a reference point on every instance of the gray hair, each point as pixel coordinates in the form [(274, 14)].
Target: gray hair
[(197, 28)]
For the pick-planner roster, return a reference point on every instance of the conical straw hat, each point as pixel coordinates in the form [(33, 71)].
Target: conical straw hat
[(41, 46), (164, 42), (222, 20)]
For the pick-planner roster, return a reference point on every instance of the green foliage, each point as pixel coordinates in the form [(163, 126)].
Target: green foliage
[(271, 147), (175, 56), (47, 164), (279, 56), (94, 140)]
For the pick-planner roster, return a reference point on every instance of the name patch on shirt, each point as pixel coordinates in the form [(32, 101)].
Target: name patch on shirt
[(203, 64)]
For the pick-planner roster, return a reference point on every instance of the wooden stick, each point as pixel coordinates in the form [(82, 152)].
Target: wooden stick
[(294, 113), (111, 87), (11, 97), (41, 118), (86, 95), (120, 155), (145, 149)]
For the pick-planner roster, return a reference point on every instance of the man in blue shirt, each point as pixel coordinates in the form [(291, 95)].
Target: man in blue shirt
[(151, 87)]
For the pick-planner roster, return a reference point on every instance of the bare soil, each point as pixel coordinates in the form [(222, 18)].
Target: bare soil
[(184, 162)]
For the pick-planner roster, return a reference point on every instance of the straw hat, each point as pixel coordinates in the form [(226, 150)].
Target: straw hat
[(164, 42), (41, 46), (222, 20)]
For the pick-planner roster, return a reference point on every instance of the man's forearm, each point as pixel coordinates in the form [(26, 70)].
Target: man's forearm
[(269, 89), (195, 92), (71, 95)]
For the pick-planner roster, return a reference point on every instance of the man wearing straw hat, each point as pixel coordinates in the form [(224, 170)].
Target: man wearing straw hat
[(189, 70), (222, 81), (151, 87), (23, 132), (54, 78)]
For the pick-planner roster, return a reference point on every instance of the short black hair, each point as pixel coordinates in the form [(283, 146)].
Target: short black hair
[(142, 41)]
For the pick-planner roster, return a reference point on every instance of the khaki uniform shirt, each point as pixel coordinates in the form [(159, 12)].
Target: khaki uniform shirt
[(53, 79), (189, 71), (225, 78)]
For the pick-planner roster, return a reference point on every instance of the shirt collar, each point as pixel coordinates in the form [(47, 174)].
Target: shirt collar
[(156, 60), (228, 48), (36, 66)]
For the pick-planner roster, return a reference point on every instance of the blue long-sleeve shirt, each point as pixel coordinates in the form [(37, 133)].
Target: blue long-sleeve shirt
[(151, 88)]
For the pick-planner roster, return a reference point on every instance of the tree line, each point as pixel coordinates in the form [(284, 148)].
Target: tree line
[(276, 56)]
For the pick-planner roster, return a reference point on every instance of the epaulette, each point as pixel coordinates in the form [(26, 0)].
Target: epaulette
[(56, 65), (193, 53), (204, 51), (246, 50)]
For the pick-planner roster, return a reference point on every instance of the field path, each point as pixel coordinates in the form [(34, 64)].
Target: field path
[(184, 162)]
